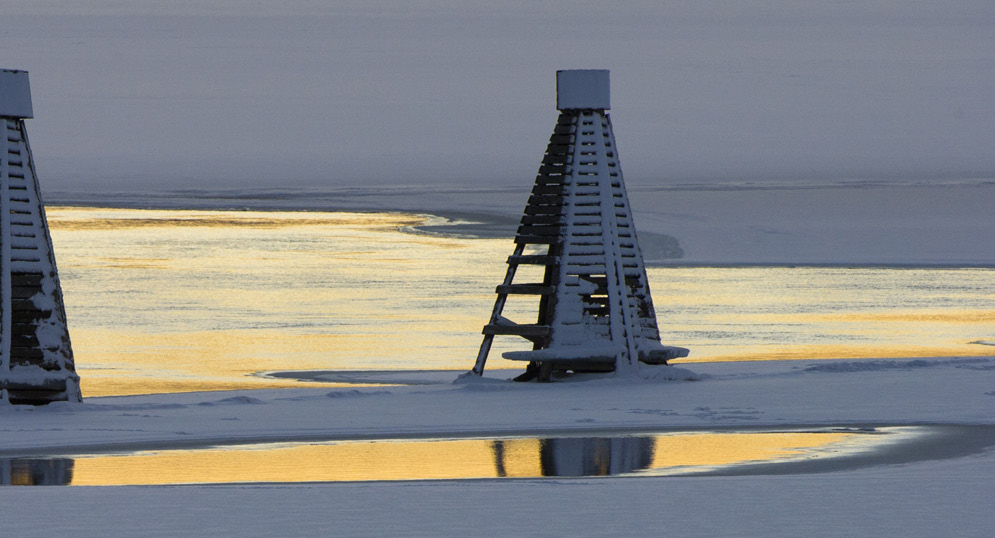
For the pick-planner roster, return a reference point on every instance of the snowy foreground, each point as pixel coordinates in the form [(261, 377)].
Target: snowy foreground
[(928, 497)]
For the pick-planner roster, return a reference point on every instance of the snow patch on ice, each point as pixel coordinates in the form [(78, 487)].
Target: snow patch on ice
[(666, 373), (355, 393), (235, 400), (645, 374), (472, 381)]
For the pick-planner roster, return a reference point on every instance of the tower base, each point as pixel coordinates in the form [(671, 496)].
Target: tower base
[(40, 390)]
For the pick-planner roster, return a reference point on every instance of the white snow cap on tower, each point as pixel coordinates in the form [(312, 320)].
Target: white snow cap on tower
[(15, 94), (583, 89)]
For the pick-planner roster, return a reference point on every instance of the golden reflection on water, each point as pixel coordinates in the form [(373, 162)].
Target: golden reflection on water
[(205, 360), (172, 301), (168, 301), (446, 459), (788, 313), (712, 450)]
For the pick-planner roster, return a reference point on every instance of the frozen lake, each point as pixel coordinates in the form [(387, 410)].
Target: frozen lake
[(182, 300)]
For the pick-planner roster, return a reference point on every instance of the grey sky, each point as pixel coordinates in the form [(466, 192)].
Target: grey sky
[(228, 93)]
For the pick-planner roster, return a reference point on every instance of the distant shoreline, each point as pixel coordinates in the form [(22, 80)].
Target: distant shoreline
[(659, 250), (836, 225)]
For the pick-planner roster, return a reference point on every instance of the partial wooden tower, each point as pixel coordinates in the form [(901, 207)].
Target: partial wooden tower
[(36, 358), (595, 312)]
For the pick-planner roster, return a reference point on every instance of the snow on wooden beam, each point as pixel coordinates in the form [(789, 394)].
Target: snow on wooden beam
[(15, 94), (580, 89)]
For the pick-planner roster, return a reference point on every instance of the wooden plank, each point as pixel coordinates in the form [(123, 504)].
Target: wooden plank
[(592, 364), (28, 317), (24, 292), (22, 304), (550, 174), (555, 189), (532, 259), (539, 229), (32, 396), (543, 210), (32, 355), (525, 289), (564, 151), (552, 158), (542, 219), (536, 240), (545, 199), (524, 330), (28, 340)]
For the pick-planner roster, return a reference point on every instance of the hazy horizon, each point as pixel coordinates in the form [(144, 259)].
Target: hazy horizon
[(224, 93)]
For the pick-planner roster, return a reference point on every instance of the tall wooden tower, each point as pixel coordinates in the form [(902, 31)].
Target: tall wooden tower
[(36, 358), (595, 312)]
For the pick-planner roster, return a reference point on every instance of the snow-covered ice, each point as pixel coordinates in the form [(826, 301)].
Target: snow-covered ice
[(946, 497)]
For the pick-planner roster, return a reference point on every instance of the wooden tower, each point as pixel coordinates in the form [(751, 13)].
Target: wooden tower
[(595, 312), (36, 358)]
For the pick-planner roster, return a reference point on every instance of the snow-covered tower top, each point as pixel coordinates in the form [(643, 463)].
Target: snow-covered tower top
[(583, 89), (15, 94)]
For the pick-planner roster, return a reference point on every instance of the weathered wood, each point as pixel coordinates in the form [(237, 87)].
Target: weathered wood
[(525, 289), (555, 189), (543, 210), (533, 259), (516, 330), (24, 340), (557, 154), (536, 239), (539, 229), (556, 219), (26, 355), (546, 199)]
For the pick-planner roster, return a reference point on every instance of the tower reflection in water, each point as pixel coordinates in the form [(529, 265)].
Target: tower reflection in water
[(36, 471), (576, 456)]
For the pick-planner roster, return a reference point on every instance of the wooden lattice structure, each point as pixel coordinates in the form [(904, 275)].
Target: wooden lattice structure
[(595, 312), (36, 358)]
